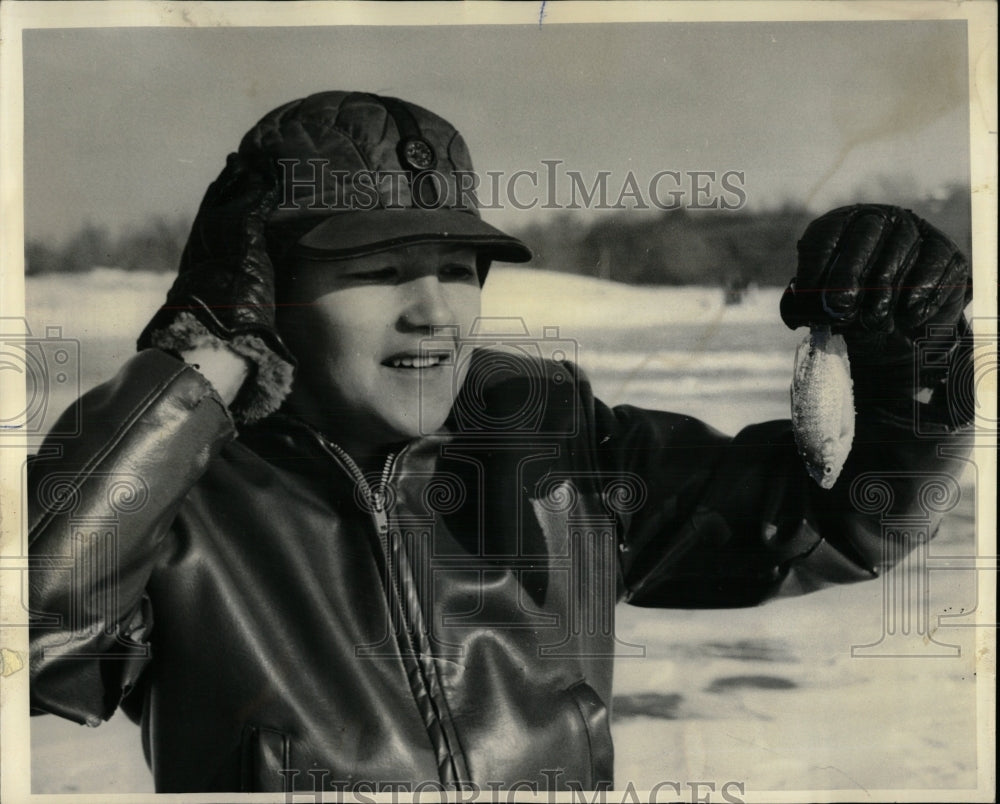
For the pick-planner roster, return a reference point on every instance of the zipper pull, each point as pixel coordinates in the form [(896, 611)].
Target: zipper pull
[(381, 520), (378, 496)]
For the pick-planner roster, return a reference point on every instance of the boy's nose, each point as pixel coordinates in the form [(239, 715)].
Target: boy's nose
[(427, 304)]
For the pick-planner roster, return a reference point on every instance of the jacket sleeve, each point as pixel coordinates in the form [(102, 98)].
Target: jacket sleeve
[(100, 505), (730, 522)]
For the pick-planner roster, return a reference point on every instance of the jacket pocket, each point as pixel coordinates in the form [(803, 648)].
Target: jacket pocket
[(594, 713), (265, 755)]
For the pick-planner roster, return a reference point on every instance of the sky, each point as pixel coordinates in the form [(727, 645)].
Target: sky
[(126, 123)]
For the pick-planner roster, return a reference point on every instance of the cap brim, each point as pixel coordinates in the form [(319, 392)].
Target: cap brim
[(354, 234)]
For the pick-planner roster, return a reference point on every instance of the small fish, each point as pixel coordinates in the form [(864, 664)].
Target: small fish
[(823, 405)]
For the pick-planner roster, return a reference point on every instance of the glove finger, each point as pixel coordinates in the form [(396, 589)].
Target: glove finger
[(936, 284), (791, 310), (817, 248), (801, 303), (226, 185), (844, 285), (954, 302), (237, 181), (897, 250), (234, 211)]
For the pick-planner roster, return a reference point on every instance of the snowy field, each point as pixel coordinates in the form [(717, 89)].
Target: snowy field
[(768, 698)]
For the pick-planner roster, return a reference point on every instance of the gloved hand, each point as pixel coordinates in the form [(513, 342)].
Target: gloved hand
[(224, 291), (886, 279)]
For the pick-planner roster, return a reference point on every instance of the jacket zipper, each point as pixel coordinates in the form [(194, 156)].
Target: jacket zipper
[(376, 500)]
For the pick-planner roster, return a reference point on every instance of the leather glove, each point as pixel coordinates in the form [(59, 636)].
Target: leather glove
[(224, 291), (893, 286)]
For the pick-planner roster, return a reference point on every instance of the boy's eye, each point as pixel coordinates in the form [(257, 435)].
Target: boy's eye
[(457, 271)]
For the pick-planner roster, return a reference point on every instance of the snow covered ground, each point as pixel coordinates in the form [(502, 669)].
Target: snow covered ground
[(769, 698), (676, 347)]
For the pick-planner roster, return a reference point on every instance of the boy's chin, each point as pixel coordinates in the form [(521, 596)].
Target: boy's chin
[(422, 423)]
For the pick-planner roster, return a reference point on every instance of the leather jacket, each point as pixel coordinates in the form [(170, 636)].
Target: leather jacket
[(277, 621)]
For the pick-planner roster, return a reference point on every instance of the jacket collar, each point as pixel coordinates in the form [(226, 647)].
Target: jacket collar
[(291, 443)]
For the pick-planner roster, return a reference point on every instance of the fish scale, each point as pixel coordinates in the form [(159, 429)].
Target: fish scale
[(823, 405)]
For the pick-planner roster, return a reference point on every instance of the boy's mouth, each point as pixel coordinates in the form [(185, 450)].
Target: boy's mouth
[(417, 360)]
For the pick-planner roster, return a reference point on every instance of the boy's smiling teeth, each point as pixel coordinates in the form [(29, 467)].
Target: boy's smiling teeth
[(425, 361)]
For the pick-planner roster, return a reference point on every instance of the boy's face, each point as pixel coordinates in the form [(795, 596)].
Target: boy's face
[(358, 326)]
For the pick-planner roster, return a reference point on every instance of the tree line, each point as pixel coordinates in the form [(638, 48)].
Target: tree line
[(729, 248), (155, 245), (676, 247)]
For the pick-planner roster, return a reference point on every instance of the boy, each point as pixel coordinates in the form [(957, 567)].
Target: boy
[(372, 571)]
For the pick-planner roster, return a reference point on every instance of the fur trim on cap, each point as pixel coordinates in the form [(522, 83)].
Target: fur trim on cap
[(269, 382)]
